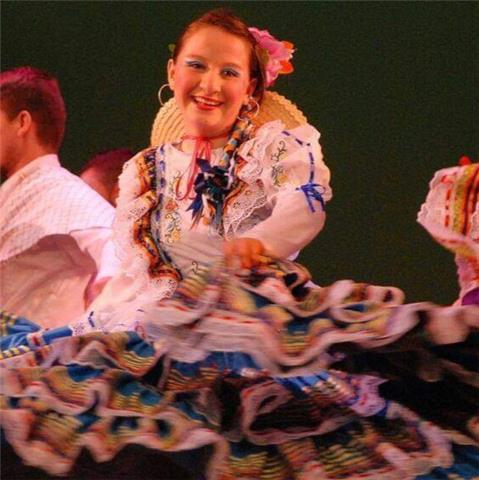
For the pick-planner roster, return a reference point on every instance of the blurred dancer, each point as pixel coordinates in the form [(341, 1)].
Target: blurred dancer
[(55, 251), (102, 171)]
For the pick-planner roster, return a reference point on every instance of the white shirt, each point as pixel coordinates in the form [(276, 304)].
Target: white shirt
[(55, 243)]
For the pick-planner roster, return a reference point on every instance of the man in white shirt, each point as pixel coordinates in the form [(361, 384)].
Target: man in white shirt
[(55, 236)]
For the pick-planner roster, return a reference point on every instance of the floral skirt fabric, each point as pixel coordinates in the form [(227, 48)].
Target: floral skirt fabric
[(280, 380)]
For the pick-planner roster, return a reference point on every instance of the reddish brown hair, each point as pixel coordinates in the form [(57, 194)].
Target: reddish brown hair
[(31, 89), (108, 165), (230, 23)]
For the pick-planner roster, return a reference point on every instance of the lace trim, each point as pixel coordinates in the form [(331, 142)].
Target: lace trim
[(255, 149), (249, 199), (451, 211), (138, 253), (251, 196), (450, 214), (433, 210), (449, 204), (241, 211)]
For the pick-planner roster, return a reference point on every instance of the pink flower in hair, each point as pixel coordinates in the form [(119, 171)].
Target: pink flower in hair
[(274, 54)]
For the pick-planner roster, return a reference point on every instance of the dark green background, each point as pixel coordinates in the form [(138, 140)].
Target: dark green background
[(393, 87)]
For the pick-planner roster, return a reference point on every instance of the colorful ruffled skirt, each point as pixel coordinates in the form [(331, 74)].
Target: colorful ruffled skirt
[(281, 380)]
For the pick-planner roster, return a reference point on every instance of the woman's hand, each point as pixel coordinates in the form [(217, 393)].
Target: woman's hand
[(247, 250)]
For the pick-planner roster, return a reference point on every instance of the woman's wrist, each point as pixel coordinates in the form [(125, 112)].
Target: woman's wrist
[(248, 251)]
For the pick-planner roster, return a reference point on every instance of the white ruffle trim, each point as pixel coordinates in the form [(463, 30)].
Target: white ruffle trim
[(433, 211), (254, 152), (131, 207), (254, 197)]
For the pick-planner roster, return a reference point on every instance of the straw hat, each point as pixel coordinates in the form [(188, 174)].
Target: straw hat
[(168, 125)]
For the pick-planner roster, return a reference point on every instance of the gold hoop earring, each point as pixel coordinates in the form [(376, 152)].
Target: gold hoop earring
[(160, 91), (255, 108), (247, 109)]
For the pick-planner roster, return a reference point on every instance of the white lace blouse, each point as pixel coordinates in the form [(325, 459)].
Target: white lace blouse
[(273, 207)]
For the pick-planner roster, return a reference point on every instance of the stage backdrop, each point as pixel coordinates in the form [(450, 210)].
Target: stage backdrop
[(393, 88)]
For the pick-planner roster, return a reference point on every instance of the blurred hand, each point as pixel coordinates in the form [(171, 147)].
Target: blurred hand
[(248, 251)]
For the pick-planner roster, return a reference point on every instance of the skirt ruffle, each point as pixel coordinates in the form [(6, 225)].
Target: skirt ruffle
[(282, 380)]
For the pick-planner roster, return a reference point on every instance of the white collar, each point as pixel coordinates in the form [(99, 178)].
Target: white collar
[(50, 160), (11, 183)]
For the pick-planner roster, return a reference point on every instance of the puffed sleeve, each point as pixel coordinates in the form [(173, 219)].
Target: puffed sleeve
[(296, 183)]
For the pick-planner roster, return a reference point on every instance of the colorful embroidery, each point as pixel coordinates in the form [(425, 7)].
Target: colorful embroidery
[(172, 225), (172, 219), (451, 215), (464, 198), (277, 170), (151, 176)]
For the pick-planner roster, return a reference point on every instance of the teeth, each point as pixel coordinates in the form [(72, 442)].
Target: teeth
[(207, 102)]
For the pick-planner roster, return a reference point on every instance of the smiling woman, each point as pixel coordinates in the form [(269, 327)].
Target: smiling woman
[(184, 349), (217, 74), (211, 81)]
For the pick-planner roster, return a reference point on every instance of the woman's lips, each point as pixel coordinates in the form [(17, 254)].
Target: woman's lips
[(205, 103)]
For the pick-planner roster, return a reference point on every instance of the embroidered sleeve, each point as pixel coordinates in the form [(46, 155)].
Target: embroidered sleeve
[(295, 161), (296, 184)]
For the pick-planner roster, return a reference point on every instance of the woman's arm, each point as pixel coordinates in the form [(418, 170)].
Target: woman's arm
[(296, 181)]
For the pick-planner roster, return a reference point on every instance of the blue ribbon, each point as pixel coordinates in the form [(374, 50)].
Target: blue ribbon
[(212, 181), (313, 191)]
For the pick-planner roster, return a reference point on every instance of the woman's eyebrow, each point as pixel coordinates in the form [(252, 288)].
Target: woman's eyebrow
[(234, 65), (194, 56)]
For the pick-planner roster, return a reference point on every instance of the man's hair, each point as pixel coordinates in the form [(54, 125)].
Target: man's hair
[(31, 89), (108, 165)]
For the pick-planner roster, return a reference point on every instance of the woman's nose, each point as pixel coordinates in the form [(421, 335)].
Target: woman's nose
[(211, 82)]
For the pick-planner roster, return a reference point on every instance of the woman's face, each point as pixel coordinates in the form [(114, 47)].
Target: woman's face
[(211, 80)]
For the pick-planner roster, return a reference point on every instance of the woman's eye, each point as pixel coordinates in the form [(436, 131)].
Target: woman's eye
[(230, 73), (195, 65)]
